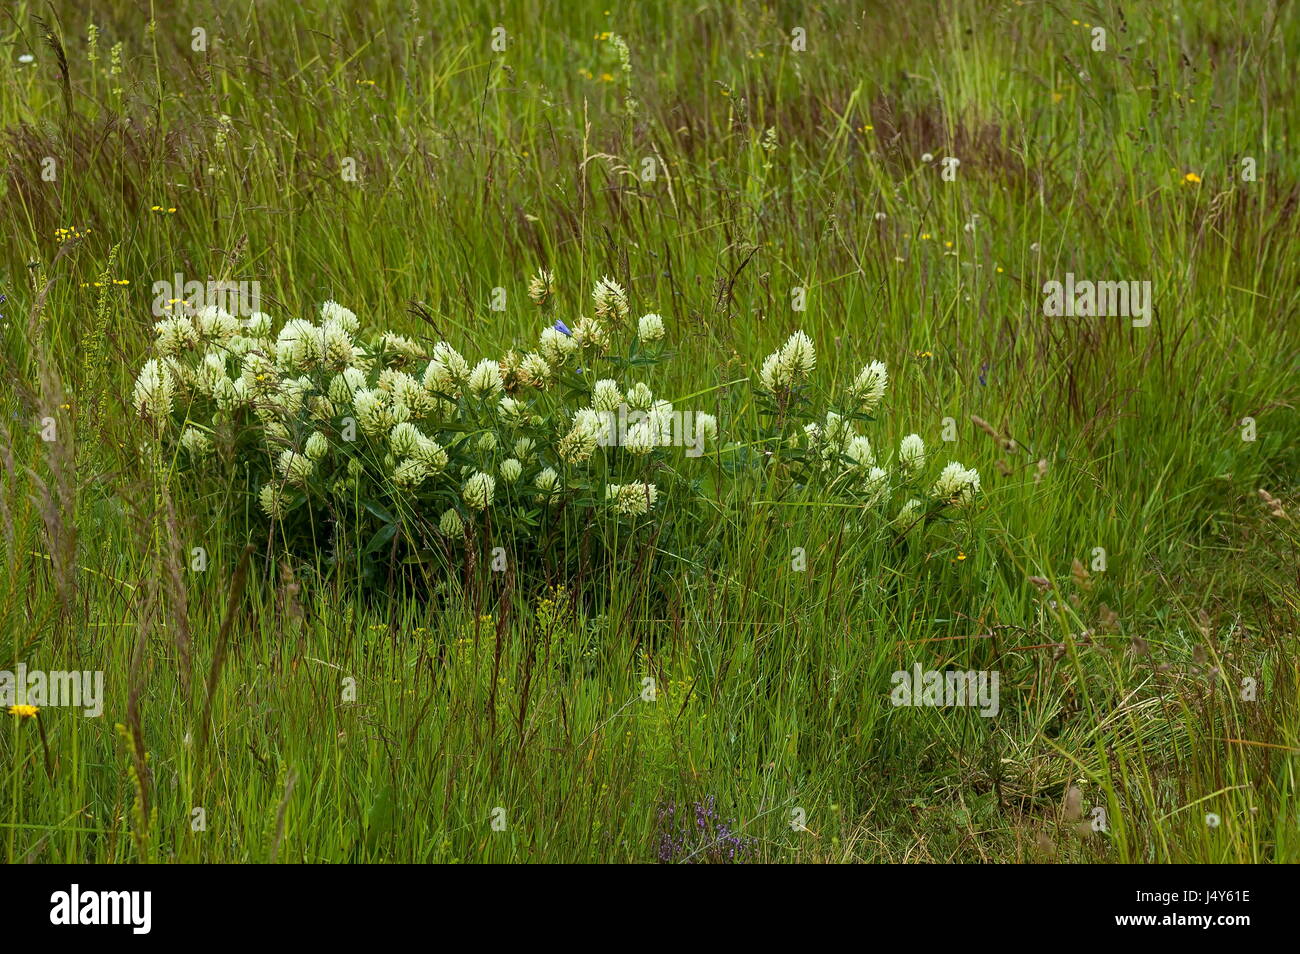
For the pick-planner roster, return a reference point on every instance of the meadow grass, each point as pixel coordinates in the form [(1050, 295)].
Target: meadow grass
[(444, 717)]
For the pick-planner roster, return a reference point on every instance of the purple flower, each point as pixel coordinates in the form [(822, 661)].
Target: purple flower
[(699, 836), (562, 328)]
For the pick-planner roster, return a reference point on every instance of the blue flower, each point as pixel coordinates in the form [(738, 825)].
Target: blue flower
[(563, 329)]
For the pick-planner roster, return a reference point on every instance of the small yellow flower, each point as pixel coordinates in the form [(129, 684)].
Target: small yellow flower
[(24, 711), (1192, 179)]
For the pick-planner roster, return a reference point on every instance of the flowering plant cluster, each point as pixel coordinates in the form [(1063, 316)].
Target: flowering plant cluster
[(822, 443), (420, 441), (412, 444)]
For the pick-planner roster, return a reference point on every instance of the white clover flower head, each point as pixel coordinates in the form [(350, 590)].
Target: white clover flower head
[(175, 335), (661, 420), (477, 491), (322, 408), (534, 370), (875, 485), (555, 346), (259, 374), (511, 411), (216, 324), (548, 485), (316, 446), (339, 351), (257, 325), (650, 328), (609, 299), (706, 426), (210, 372), (798, 357), (230, 394), (372, 413), (455, 367), (294, 467), (956, 485), (272, 500), (909, 512), (837, 432), (487, 442), (403, 439), (858, 449), (331, 312), (400, 348), (911, 453), (927, 157), (769, 376), (641, 438), (631, 500), (525, 448), (345, 384), (541, 288), (640, 397), (580, 442), (196, 442), (299, 345), (869, 386), (431, 454), (485, 380), (152, 396), (450, 524), (605, 395), (590, 333), (510, 470), (409, 474)]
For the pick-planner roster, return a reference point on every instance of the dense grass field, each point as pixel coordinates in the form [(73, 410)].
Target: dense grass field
[(1129, 568)]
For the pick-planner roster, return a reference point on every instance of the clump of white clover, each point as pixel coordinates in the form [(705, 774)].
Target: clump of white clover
[(325, 416), (825, 445)]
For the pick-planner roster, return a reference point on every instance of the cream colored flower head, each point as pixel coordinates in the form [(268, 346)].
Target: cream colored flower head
[(640, 397), (175, 335), (858, 449), (450, 524), (541, 288), (868, 388), (605, 395), (485, 380), (294, 467), (534, 370), (478, 490), (591, 333), (911, 453), (798, 357), (272, 500), (510, 470), (555, 346), (956, 485), (525, 449), (609, 299), (548, 485), (152, 397), (317, 446), (650, 328), (196, 442), (631, 500), (331, 312)]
